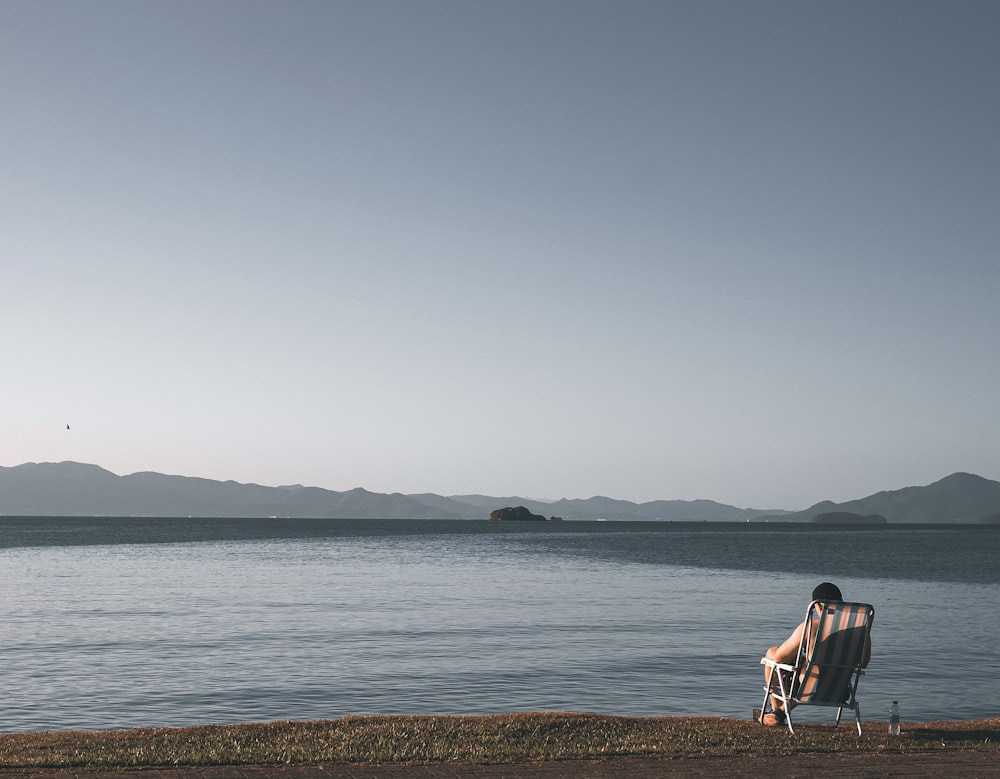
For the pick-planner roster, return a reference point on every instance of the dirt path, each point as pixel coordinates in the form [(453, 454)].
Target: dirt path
[(931, 765)]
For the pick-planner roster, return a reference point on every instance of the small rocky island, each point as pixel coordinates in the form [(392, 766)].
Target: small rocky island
[(517, 514), (849, 518)]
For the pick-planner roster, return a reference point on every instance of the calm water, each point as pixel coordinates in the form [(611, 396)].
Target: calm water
[(135, 622)]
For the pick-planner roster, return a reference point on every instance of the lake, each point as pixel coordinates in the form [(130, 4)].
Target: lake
[(111, 623)]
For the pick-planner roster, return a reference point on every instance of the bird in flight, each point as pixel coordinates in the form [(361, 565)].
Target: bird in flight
[(67, 427)]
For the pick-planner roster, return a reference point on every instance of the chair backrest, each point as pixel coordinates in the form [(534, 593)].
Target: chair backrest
[(832, 651)]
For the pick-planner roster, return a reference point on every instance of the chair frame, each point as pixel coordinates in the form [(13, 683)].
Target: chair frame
[(787, 684)]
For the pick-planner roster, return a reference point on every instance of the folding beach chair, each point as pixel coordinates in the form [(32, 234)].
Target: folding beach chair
[(827, 667)]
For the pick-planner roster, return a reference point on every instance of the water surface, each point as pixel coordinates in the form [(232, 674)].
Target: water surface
[(112, 623)]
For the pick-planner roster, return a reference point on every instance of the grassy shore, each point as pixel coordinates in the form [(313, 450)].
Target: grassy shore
[(508, 738)]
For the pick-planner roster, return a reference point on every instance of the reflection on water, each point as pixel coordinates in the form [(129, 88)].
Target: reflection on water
[(320, 619)]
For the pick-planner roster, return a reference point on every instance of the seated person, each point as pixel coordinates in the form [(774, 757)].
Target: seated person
[(787, 651)]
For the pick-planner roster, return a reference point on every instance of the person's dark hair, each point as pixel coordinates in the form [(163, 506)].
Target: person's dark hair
[(827, 591)]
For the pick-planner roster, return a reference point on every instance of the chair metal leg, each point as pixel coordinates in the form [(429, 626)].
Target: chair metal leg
[(763, 707), (784, 695), (766, 704)]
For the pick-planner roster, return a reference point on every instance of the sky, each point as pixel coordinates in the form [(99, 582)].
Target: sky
[(746, 252)]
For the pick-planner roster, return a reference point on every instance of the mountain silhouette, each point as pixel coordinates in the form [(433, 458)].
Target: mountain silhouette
[(961, 497), (78, 489)]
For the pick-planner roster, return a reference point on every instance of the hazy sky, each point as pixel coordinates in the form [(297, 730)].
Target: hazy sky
[(746, 251)]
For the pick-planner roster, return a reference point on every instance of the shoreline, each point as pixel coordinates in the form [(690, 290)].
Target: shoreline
[(518, 744)]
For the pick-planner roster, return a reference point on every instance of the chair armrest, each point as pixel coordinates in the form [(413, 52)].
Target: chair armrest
[(776, 664)]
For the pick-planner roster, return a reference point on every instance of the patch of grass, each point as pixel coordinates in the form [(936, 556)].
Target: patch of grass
[(507, 738)]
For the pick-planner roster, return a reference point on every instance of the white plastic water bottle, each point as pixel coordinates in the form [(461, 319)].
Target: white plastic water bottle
[(894, 719)]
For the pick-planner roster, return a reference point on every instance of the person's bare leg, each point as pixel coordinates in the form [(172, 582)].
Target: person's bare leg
[(778, 717)]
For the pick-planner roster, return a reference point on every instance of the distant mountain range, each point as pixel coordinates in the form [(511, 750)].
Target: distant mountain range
[(77, 489), (961, 497)]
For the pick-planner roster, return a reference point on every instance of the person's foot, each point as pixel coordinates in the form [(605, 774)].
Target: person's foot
[(773, 718), (773, 714)]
